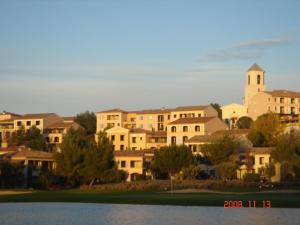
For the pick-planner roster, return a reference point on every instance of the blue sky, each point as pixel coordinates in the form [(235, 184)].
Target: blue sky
[(70, 56)]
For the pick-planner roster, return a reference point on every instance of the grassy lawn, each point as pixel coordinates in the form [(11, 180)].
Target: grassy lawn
[(150, 198)]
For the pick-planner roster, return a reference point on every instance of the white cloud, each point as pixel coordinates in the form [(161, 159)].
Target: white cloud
[(252, 49)]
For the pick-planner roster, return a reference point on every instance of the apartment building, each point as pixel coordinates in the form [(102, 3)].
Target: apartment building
[(40, 121), (6, 127), (282, 102), (136, 139), (150, 119), (56, 132), (134, 163), (181, 130)]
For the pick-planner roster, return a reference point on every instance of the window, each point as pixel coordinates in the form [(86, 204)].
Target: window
[(199, 115), (184, 139), (134, 148), (258, 79), (150, 126), (37, 122), (269, 99), (197, 128), (123, 164), (185, 128), (173, 140), (141, 126), (19, 123), (175, 116), (248, 79), (28, 123), (112, 137), (141, 118), (133, 139), (141, 138), (281, 100), (132, 164), (173, 129), (150, 117), (169, 117), (293, 110), (292, 101), (281, 110), (121, 147), (261, 160), (122, 137), (56, 139)]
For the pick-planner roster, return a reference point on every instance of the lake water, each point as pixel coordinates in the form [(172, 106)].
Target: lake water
[(110, 214)]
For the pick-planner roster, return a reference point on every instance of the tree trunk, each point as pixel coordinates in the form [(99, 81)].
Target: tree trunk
[(91, 183)]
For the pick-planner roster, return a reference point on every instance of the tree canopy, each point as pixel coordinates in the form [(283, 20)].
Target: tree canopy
[(171, 159), (223, 154), (265, 131), (71, 158), (31, 138), (217, 107), (244, 122), (287, 152), (88, 121)]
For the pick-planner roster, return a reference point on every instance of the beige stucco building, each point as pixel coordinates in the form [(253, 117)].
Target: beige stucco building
[(39, 120), (150, 119), (134, 163), (6, 127), (180, 130), (258, 100), (136, 139)]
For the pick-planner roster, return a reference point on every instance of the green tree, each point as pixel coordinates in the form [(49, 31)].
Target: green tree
[(88, 121), (244, 122), (70, 160), (287, 153), (172, 159), (99, 160), (191, 172), (265, 131), (217, 107), (31, 138), (223, 154)]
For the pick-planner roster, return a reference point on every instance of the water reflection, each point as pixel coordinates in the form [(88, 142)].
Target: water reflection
[(108, 214)]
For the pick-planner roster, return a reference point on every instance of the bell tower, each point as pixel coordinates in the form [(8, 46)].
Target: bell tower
[(255, 82)]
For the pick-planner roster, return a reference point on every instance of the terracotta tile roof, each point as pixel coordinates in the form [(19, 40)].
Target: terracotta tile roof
[(255, 67), (35, 116), (190, 108), (284, 93), (192, 120), (62, 125), (200, 138), (217, 134), (154, 111), (262, 150), (113, 110), (32, 155), (9, 113)]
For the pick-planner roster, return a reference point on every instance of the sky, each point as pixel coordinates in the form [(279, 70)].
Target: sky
[(69, 56)]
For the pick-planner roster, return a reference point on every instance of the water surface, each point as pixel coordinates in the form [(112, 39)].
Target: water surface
[(113, 214)]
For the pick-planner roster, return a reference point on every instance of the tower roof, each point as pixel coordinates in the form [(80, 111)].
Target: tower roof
[(255, 67)]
